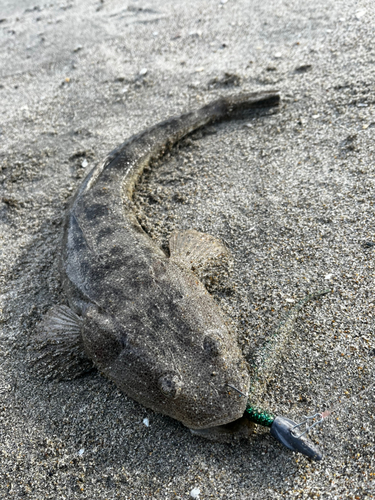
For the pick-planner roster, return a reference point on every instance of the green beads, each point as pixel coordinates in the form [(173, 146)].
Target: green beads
[(259, 416)]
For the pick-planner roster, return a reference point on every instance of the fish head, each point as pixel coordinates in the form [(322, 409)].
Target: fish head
[(191, 381), (196, 387), (174, 353)]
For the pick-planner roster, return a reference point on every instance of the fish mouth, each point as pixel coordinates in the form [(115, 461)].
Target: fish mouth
[(224, 420), (239, 428), (235, 411), (229, 406)]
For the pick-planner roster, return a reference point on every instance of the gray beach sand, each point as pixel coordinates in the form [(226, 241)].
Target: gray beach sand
[(291, 193)]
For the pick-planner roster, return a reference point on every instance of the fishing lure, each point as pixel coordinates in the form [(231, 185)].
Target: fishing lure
[(282, 428)]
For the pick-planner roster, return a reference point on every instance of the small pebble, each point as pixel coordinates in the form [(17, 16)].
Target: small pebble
[(360, 13), (146, 422), (195, 493)]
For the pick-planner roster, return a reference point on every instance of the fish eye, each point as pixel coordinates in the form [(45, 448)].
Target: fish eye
[(170, 385)]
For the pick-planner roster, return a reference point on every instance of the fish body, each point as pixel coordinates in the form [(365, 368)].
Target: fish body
[(143, 317)]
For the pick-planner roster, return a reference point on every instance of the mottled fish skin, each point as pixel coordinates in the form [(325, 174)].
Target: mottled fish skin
[(147, 322)]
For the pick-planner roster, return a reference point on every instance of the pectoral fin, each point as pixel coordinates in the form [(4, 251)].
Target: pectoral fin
[(58, 350), (204, 254)]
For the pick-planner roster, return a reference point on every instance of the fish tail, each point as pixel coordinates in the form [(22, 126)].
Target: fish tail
[(136, 153)]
